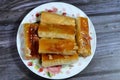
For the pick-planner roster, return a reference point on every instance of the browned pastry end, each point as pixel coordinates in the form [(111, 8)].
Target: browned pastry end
[(31, 40)]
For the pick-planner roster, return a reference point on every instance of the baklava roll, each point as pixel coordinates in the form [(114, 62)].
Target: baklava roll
[(57, 59), (83, 37), (31, 41), (57, 46), (52, 18), (56, 31)]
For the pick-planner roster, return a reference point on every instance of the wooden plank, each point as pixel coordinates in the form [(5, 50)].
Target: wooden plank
[(17, 70), (104, 19), (27, 4), (107, 27), (8, 35), (112, 76), (12, 16), (104, 63), (103, 7), (17, 17)]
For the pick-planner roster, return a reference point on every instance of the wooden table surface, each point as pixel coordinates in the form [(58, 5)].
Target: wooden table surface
[(105, 15)]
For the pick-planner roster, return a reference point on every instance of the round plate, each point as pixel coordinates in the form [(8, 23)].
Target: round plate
[(66, 71)]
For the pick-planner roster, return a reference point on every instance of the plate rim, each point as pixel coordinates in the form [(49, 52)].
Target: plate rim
[(95, 38)]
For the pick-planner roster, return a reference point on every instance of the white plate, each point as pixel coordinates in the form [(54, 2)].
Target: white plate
[(67, 70)]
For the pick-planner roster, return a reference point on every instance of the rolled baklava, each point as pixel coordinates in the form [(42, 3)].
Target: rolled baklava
[(56, 31), (57, 46), (31, 41), (83, 37), (57, 59), (52, 18)]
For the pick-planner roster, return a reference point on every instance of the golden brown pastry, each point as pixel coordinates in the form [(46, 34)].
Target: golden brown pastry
[(31, 40), (82, 36), (56, 31), (56, 46), (57, 59), (52, 18)]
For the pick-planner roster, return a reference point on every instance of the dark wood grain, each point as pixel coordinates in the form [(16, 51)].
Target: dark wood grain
[(105, 15), (19, 9), (17, 4)]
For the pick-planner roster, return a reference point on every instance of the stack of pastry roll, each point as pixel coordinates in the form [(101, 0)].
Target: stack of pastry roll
[(57, 39), (57, 43)]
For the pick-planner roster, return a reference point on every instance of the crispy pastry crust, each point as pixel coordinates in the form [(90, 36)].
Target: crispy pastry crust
[(31, 41), (56, 46), (82, 37), (57, 59), (52, 18), (56, 31)]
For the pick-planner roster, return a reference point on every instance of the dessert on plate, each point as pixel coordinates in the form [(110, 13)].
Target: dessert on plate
[(57, 39)]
